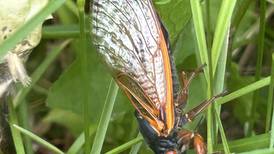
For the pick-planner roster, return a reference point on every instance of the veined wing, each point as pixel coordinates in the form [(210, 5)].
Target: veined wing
[(128, 35)]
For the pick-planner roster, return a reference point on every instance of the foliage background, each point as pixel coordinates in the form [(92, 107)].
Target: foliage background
[(54, 106)]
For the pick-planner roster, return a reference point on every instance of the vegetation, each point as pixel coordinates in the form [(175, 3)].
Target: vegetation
[(72, 105)]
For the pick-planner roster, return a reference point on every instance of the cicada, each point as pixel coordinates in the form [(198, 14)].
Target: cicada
[(133, 42)]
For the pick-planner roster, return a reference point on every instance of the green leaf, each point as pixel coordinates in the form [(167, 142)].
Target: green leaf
[(72, 121), (70, 84), (175, 15)]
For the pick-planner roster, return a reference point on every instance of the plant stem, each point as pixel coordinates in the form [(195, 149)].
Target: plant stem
[(259, 64), (208, 25), (135, 148), (38, 139), (245, 90), (125, 146), (203, 54), (60, 31), (83, 57), (222, 132), (105, 118), (17, 138), (24, 122), (270, 110)]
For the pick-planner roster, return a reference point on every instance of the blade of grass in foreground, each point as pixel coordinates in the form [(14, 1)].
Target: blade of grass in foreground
[(72, 7), (83, 58), (270, 107), (259, 65), (246, 144), (79, 142), (105, 118), (223, 24), (22, 32), (204, 58), (38, 139), (270, 102), (76, 146), (135, 148), (13, 119), (245, 90), (222, 132), (60, 31), (126, 146), (261, 151), (200, 34), (23, 118), (219, 80)]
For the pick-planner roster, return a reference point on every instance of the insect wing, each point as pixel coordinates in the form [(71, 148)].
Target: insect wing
[(128, 35)]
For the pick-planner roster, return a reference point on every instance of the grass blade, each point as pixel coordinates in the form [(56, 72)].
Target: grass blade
[(60, 31), (259, 64), (77, 145), (208, 24), (260, 151), (135, 148), (22, 32), (83, 56), (72, 7), (126, 146), (105, 118), (222, 132), (219, 86), (246, 144), (38, 139), (17, 138), (270, 107), (23, 117), (270, 101), (222, 28), (245, 90), (200, 34), (204, 58)]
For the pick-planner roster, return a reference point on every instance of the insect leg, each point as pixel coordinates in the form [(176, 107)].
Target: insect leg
[(184, 139), (199, 144), (182, 99), (191, 139), (190, 115)]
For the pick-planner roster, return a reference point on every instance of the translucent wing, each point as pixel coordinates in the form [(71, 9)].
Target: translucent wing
[(128, 35)]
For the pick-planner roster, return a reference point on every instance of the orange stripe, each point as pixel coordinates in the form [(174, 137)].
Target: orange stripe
[(169, 106)]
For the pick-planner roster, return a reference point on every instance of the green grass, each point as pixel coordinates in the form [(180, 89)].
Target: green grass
[(105, 118), (70, 78)]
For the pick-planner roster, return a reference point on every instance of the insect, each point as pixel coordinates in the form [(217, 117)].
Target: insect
[(134, 44)]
